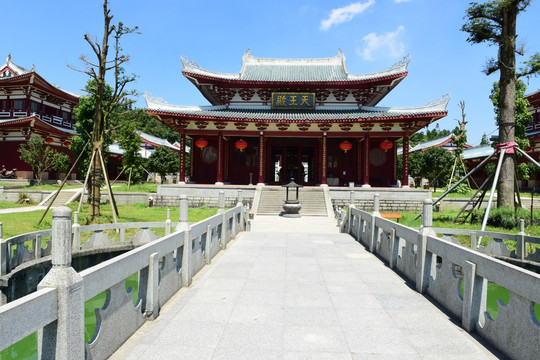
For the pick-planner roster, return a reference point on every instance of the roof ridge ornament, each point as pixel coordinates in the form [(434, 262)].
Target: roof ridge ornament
[(442, 101), (188, 63), (402, 63), (8, 59), (149, 98)]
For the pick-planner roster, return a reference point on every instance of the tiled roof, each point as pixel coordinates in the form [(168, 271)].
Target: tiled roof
[(154, 140), (432, 143), (477, 152), (295, 70), (266, 113), (19, 70)]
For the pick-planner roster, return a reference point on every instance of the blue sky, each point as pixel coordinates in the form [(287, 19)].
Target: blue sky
[(374, 34)]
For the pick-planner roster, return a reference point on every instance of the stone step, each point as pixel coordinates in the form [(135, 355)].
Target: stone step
[(311, 199)]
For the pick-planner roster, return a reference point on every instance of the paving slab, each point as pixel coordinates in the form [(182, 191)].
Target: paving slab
[(298, 289)]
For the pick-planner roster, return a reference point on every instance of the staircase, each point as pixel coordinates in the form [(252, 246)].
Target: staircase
[(62, 199), (312, 200)]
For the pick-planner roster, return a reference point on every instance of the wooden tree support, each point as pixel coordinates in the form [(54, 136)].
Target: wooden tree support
[(63, 182)]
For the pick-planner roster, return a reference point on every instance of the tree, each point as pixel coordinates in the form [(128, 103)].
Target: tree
[(431, 164), (61, 162), (494, 23), (164, 161), (485, 140), (130, 142), (523, 116), (119, 97), (39, 156)]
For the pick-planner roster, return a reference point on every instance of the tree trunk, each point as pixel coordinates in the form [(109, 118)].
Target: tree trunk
[(507, 103), (99, 121)]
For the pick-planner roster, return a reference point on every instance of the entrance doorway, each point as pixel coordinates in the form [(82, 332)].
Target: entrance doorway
[(290, 162)]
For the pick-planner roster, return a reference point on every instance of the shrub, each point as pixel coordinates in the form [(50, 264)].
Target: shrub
[(23, 198), (507, 218)]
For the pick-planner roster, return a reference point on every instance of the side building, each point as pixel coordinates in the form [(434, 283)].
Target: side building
[(307, 119), (31, 105)]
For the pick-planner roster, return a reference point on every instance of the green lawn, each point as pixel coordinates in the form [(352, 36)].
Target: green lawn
[(9, 205), (145, 188), (20, 223)]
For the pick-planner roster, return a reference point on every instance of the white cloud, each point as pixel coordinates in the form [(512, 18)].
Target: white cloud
[(388, 43), (341, 15), (400, 1)]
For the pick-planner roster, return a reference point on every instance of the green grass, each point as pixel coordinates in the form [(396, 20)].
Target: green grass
[(45, 187), (144, 188), (20, 223), (9, 205)]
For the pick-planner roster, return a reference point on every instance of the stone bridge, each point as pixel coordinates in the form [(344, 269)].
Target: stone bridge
[(287, 289)]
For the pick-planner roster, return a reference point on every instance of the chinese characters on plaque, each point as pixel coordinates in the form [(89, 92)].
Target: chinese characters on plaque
[(293, 100)]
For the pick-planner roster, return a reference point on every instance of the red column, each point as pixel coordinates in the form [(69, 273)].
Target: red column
[(359, 162), (324, 161), (219, 179), (394, 171), (405, 178), (366, 162), (182, 178), (261, 159)]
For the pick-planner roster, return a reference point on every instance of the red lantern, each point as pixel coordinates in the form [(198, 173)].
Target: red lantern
[(345, 146), (386, 145), (240, 145), (49, 140), (201, 143), (66, 143)]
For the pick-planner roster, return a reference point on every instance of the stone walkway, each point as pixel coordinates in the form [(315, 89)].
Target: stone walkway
[(297, 289)]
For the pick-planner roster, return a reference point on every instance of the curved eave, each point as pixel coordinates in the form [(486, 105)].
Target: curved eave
[(39, 82), (273, 83), (299, 119), (36, 123)]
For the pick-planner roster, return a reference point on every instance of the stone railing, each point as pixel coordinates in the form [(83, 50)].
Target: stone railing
[(522, 248), (164, 265), (440, 268), (24, 248)]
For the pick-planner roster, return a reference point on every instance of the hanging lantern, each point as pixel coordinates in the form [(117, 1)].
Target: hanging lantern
[(201, 143), (386, 145), (49, 140), (345, 146), (240, 145), (66, 143)]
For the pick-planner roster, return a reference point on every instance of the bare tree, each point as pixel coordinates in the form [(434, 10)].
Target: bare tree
[(104, 108)]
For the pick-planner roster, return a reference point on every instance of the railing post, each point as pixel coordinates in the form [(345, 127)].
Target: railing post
[(76, 229), (63, 338), (372, 233), (221, 202), (423, 260), (240, 203), (223, 242), (474, 297), (3, 252), (351, 206), (240, 198), (183, 214), (152, 294), (168, 223), (37, 247), (3, 262), (208, 244), (521, 248), (183, 225), (394, 248), (186, 259)]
